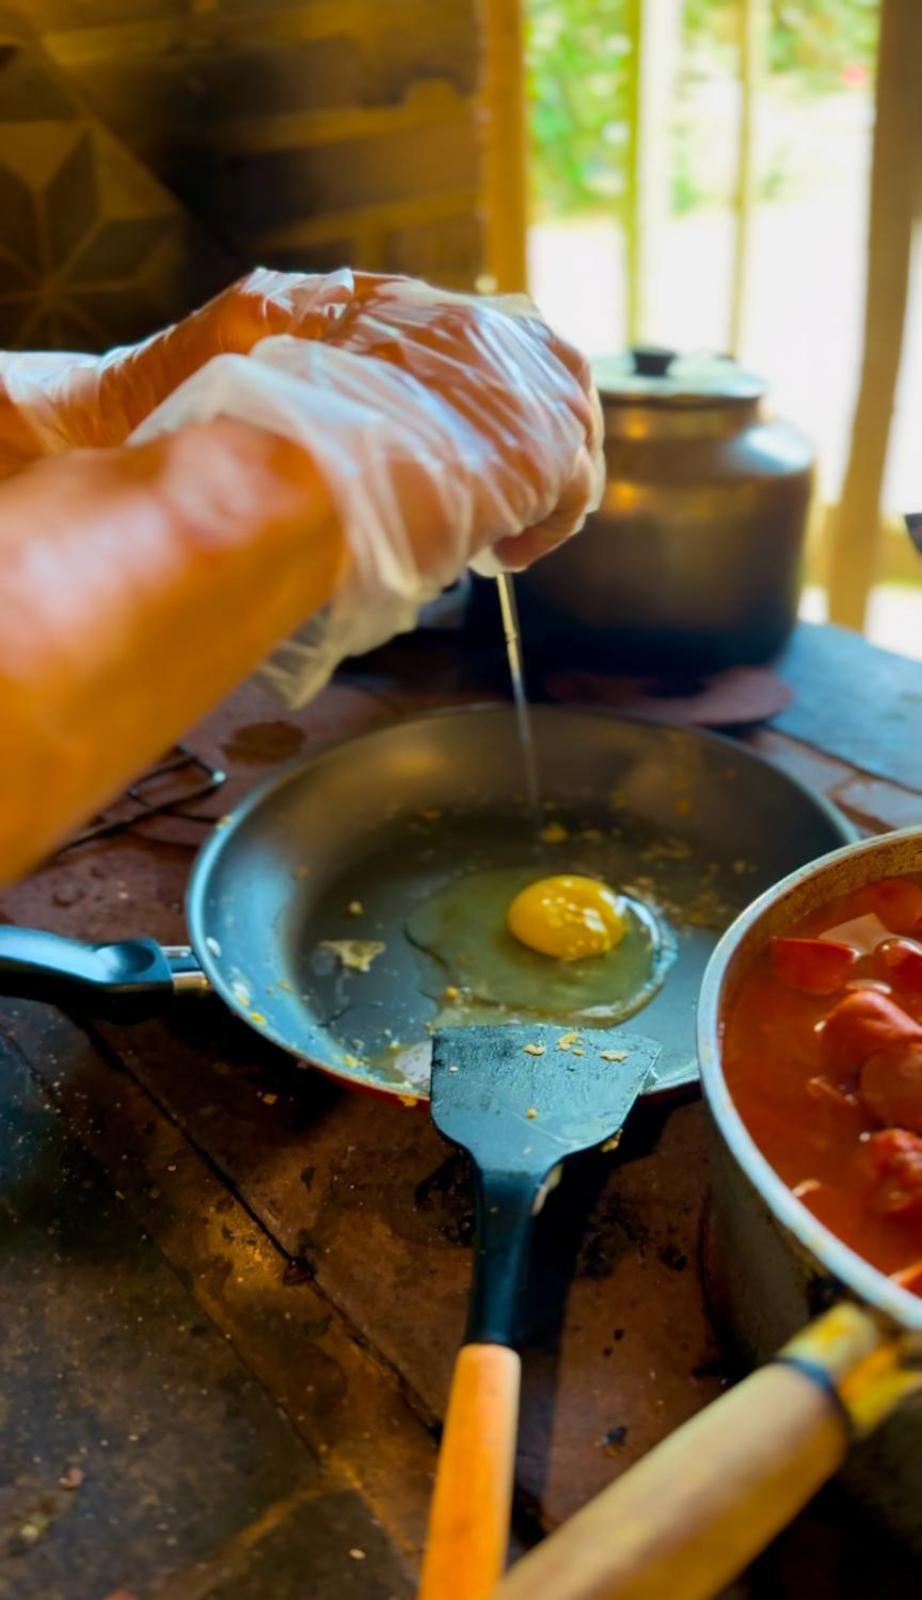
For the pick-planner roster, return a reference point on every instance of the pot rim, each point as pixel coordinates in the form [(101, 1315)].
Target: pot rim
[(836, 1258)]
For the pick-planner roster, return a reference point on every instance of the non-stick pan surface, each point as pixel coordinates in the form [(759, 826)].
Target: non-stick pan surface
[(697, 823)]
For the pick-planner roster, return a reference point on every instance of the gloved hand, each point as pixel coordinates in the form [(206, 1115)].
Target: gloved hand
[(140, 581), (444, 426)]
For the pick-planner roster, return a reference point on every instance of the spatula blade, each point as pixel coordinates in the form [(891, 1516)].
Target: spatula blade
[(521, 1098)]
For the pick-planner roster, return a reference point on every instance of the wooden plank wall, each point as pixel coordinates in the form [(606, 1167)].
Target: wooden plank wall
[(150, 150)]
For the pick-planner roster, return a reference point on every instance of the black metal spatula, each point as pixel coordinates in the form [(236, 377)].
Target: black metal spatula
[(519, 1100)]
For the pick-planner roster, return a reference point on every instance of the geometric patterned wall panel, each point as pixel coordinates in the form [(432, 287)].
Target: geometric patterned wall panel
[(150, 150)]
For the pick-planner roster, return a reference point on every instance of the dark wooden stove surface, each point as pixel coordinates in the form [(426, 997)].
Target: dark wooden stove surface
[(231, 1291)]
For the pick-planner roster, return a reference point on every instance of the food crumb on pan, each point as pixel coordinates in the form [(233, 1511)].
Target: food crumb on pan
[(257, 1016), (355, 908), (612, 1143), (531, 1113), (568, 1040), (212, 944), (553, 833), (613, 1439), (451, 993), (668, 849), (356, 954), (613, 1055), (533, 1049)]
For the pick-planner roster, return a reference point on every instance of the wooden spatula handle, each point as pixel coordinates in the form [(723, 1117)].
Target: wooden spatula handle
[(469, 1521)]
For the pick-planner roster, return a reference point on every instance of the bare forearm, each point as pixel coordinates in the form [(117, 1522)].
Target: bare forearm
[(136, 588)]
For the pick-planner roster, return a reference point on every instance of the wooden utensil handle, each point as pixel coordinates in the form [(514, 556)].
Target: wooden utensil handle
[(469, 1520), (689, 1517), (692, 1513)]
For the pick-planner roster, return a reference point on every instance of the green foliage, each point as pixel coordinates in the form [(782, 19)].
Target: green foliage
[(822, 39), (686, 190), (579, 81), (816, 40)]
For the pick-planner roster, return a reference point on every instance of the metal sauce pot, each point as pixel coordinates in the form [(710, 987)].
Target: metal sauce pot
[(692, 562), (771, 1265)]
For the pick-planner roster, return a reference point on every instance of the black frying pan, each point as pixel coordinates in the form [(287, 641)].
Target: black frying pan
[(700, 824)]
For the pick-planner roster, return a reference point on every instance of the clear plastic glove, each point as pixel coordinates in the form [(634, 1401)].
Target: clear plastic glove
[(446, 427), (450, 429), (56, 401), (140, 582)]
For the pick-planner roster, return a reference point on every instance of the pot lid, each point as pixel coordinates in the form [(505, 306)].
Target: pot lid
[(661, 376)]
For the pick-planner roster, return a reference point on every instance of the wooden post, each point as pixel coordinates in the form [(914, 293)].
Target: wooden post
[(655, 30), (752, 36), (633, 241), (896, 201), (505, 175)]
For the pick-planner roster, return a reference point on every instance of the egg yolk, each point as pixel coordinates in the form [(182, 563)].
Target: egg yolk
[(567, 917)]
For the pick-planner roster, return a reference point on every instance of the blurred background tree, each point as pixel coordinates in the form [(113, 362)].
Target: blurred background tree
[(579, 54), (579, 83)]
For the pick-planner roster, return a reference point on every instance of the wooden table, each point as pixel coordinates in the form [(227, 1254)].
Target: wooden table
[(231, 1291)]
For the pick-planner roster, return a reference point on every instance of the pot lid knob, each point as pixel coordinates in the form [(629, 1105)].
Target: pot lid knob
[(652, 360)]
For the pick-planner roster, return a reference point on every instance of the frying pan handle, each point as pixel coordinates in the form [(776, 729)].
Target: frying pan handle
[(126, 981)]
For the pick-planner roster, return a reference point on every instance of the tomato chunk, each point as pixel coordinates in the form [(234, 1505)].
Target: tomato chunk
[(863, 1022), (891, 1085), (815, 966), (864, 934), (897, 902), (892, 1166), (901, 960)]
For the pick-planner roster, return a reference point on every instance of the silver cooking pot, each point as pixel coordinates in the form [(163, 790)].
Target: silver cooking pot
[(771, 1265)]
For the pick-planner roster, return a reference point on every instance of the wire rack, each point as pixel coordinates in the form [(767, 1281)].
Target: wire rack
[(176, 784)]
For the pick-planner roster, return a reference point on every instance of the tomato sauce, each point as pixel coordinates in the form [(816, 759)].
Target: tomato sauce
[(823, 1058)]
